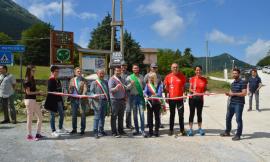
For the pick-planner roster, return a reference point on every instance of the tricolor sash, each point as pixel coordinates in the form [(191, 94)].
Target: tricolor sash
[(153, 91), (105, 91), (103, 88), (76, 85), (119, 82)]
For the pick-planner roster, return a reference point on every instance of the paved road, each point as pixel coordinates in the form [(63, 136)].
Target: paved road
[(255, 145)]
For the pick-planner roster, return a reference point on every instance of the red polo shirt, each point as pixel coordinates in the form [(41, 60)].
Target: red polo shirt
[(198, 84), (175, 84)]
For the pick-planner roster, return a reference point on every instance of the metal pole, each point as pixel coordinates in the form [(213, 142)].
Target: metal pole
[(112, 33), (122, 27), (62, 17), (21, 76), (206, 59)]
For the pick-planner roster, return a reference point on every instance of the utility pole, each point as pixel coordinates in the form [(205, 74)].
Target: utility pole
[(206, 59), (115, 24), (62, 16)]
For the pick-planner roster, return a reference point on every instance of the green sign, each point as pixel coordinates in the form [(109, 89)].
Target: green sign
[(63, 54)]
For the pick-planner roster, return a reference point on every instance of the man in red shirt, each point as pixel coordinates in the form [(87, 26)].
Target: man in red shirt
[(175, 85)]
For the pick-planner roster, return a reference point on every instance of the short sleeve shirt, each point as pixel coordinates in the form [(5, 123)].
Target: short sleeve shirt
[(6, 87), (175, 84), (236, 87), (254, 83), (198, 84), (32, 86)]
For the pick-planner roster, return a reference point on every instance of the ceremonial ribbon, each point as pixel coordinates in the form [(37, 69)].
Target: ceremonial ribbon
[(75, 96)]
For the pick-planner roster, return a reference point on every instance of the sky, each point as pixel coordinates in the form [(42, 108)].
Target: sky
[(238, 27)]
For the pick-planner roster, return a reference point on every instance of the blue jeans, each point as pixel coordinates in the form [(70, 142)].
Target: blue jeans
[(237, 109), (256, 99), (136, 104), (60, 110), (99, 118), (75, 106)]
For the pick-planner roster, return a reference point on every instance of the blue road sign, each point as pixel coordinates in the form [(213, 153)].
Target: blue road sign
[(6, 58), (12, 48)]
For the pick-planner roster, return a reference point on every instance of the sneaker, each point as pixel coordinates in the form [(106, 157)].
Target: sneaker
[(55, 134), (39, 136), (156, 134), (116, 135), (62, 131), (74, 131), (236, 138), (123, 133), (225, 134), (31, 138), (144, 135), (135, 133), (170, 133), (201, 132), (249, 109), (190, 132), (182, 133), (82, 133), (4, 122), (130, 127), (96, 136), (258, 110), (103, 133), (161, 126)]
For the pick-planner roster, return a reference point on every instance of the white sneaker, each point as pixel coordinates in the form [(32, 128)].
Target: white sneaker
[(63, 130), (54, 134)]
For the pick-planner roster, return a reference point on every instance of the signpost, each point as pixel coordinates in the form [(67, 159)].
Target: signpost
[(116, 59), (6, 57)]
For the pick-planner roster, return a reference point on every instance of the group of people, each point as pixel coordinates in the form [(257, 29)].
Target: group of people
[(126, 93)]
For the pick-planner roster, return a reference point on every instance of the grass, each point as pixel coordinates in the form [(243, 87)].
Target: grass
[(42, 72), (219, 74), (218, 86)]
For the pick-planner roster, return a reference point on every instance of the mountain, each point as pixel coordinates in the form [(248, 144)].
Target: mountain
[(14, 19), (218, 63)]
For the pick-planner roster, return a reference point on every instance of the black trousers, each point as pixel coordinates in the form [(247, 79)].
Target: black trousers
[(153, 110), (118, 111), (195, 102), (179, 105)]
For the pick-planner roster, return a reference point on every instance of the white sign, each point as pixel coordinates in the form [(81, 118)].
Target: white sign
[(90, 64)]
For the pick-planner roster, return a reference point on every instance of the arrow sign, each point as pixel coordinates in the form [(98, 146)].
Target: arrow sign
[(12, 48), (6, 58)]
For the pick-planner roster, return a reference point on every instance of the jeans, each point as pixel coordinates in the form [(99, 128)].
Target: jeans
[(180, 107), (75, 106), (8, 103), (128, 113), (237, 109), (118, 110), (60, 110), (99, 117), (256, 99), (153, 109), (137, 105)]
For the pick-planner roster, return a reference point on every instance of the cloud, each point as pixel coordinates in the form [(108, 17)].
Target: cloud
[(170, 23), (220, 37), (43, 10), (84, 37), (257, 51)]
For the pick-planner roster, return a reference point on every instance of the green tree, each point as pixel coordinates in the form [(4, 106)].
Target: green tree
[(264, 62), (37, 42), (101, 36), (5, 39), (132, 52), (188, 57), (165, 58)]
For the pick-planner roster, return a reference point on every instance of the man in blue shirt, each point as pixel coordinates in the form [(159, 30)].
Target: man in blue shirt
[(254, 85), (237, 101)]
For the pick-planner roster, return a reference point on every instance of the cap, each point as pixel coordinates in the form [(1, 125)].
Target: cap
[(153, 65)]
